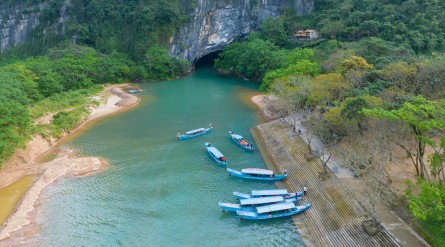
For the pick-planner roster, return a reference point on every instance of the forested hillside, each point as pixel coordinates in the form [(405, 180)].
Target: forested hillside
[(115, 41), (418, 24), (373, 84)]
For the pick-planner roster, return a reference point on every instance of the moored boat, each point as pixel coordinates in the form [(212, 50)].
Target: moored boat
[(238, 139), (257, 174), (251, 203), (273, 211), (194, 133), (263, 193), (216, 154), (135, 91)]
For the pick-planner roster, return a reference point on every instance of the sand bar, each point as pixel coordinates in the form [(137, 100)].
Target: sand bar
[(23, 163)]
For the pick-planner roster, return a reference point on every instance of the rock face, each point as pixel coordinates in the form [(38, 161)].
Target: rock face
[(19, 18), (217, 23), (16, 22)]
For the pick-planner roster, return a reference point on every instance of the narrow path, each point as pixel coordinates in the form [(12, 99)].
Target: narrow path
[(335, 216)]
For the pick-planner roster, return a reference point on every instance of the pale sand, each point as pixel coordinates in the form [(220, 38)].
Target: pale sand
[(23, 162), (259, 101)]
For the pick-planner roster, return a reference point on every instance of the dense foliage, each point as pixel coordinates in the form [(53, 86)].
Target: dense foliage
[(419, 24), (385, 65), (63, 79), (130, 27)]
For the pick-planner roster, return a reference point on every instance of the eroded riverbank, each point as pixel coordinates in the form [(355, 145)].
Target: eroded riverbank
[(67, 163)]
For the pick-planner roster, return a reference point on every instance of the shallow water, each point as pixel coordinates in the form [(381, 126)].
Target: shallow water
[(160, 191), (11, 196)]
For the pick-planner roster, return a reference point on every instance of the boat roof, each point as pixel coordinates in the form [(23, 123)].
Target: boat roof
[(237, 136), (275, 207), (193, 131), (215, 152), (257, 171), (269, 192), (261, 200)]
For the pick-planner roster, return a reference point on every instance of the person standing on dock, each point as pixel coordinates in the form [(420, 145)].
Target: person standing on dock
[(305, 190)]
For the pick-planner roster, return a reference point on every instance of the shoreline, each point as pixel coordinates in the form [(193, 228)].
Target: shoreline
[(24, 162), (393, 223)]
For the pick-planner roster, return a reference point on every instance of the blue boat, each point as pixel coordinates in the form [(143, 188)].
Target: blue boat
[(241, 141), (263, 193), (216, 154), (273, 211), (251, 203), (257, 174), (194, 133)]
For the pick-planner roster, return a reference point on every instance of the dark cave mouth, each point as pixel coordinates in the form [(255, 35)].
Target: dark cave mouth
[(207, 60)]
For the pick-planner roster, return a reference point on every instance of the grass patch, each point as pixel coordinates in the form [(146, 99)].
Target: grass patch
[(63, 101)]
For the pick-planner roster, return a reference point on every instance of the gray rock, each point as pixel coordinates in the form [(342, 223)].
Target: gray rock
[(218, 23)]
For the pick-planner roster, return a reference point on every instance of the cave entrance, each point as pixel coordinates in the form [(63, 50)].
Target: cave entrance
[(207, 60)]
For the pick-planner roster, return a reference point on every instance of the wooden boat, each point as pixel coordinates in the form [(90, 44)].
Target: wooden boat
[(194, 133), (241, 141), (251, 203), (135, 91), (216, 154), (263, 193), (273, 211), (257, 173)]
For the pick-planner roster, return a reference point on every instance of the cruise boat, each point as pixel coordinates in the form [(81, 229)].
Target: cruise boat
[(257, 174), (238, 139), (273, 211), (251, 203), (216, 154), (194, 133), (263, 193)]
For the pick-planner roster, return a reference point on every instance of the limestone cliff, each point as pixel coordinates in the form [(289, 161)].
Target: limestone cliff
[(215, 24), (19, 18), (16, 22)]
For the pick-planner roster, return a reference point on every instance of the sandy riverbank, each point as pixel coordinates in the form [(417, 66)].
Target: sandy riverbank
[(67, 163)]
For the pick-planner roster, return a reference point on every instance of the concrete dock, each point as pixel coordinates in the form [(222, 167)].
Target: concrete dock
[(336, 215)]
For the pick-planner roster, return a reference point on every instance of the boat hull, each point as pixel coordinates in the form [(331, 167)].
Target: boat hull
[(215, 154), (233, 207), (240, 195), (248, 215), (186, 137), (239, 174)]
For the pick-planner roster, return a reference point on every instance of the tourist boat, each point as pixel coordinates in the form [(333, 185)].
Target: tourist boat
[(135, 91), (257, 173), (216, 154), (250, 203), (241, 141), (263, 193), (273, 211), (194, 133)]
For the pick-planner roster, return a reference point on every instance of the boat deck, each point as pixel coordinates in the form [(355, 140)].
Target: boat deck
[(336, 215)]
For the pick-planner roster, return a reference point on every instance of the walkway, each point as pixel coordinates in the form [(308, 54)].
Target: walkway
[(336, 215)]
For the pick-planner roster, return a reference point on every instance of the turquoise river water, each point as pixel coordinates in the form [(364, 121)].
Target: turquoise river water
[(159, 191)]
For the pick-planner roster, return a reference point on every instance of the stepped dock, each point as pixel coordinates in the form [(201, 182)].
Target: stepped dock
[(336, 215)]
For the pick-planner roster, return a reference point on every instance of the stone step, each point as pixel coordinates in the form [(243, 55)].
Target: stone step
[(335, 216)]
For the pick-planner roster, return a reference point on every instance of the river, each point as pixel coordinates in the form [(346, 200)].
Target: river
[(159, 191)]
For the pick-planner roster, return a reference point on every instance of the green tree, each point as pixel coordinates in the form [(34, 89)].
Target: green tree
[(423, 117), (251, 59), (429, 207), (273, 29)]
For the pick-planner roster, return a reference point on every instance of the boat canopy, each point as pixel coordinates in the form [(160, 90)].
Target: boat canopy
[(261, 200), (194, 131), (257, 171), (269, 192), (275, 207), (215, 152)]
